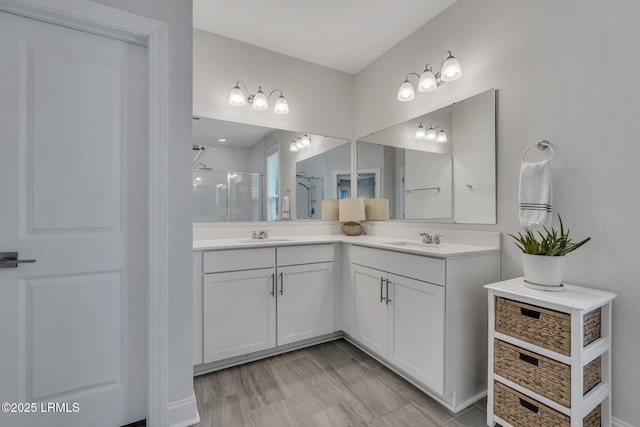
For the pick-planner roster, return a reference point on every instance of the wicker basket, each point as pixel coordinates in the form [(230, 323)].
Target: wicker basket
[(522, 411), (546, 328), (547, 377)]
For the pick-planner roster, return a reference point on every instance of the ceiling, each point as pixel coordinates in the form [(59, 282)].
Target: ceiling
[(345, 35), (207, 131)]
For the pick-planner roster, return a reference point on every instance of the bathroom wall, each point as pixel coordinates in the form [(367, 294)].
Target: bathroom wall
[(320, 99), (567, 72), (179, 17)]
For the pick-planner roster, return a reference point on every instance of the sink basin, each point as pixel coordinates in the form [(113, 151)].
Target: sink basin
[(416, 244), (267, 240)]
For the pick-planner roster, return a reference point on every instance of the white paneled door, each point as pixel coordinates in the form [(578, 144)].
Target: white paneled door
[(73, 196)]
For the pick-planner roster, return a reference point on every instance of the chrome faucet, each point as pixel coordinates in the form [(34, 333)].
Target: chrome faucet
[(259, 234), (426, 238), (431, 240)]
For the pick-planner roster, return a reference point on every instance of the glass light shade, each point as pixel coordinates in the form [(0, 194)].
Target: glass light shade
[(406, 92), (260, 101), (420, 132), (451, 69), (282, 106), (236, 97), (293, 147), (306, 140), (427, 81), (442, 137), (431, 134), (299, 144), (351, 210)]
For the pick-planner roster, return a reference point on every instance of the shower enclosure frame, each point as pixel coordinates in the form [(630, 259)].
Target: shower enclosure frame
[(228, 202)]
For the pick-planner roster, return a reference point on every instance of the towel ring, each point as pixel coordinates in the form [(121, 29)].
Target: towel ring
[(540, 145)]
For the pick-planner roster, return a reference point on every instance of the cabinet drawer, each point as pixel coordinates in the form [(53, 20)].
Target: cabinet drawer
[(523, 411), (238, 259), (543, 327), (547, 377), (308, 254), (418, 267)]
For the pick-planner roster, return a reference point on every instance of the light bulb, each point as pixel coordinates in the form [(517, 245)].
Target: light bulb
[(431, 134), (451, 69), (293, 147), (236, 97), (427, 81), (306, 141), (406, 93), (442, 137), (282, 106), (299, 144), (260, 100), (420, 132)]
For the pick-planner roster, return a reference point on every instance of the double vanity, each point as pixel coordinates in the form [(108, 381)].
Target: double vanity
[(420, 309)]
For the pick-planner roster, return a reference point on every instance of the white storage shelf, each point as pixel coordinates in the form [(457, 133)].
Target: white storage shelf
[(576, 302)]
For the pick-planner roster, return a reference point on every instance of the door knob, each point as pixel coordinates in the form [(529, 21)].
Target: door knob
[(10, 260)]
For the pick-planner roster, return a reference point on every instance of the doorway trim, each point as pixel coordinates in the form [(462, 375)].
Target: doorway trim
[(125, 26)]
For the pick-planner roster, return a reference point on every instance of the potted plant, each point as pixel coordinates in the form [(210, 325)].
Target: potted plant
[(543, 256)]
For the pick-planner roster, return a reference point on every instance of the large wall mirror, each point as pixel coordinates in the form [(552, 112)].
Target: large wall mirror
[(251, 173), (440, 166)]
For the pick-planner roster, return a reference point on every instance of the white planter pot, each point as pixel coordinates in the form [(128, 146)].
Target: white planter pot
[(543, 272)]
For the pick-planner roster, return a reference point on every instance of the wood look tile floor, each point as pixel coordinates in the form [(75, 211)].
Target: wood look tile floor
[(327, 385)]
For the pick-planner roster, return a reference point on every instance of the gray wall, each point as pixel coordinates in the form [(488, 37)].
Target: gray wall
[(178, 15), (320, 99), (565, 71)]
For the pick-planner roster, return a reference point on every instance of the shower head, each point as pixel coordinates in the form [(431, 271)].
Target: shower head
[(202, 167), (200, 149), (301, 174)]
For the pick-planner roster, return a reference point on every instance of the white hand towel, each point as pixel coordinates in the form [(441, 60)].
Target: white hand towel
[(535, 194), (285, 207)]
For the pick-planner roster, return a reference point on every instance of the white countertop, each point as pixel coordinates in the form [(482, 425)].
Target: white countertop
[(412, 246)]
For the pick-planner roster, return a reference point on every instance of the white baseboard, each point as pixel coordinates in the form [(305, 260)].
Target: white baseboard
[(183, 413), (619, 423)]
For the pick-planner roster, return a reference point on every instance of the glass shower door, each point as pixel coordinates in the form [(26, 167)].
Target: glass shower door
[(209, 196), (245, 197)]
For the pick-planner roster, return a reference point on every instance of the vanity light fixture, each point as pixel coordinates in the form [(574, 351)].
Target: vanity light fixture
[(299, 143), (441, 138), (428, 81), (432, 134), (257, 100)]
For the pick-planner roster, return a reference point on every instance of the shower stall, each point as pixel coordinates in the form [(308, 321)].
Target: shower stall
[(226, 196), (310, 192)]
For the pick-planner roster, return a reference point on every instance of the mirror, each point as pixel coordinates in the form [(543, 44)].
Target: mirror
[(434, 179), (248, 173), (316, 175)]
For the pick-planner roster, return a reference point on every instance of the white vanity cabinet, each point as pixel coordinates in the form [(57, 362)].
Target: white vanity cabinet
[(402, 320), (238, 302), (260, 298), (423, 316), (305, 293)]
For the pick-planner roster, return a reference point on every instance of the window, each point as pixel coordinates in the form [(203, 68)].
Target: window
[(273, 184)]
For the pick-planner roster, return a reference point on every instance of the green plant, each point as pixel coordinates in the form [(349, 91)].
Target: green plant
[(553, 243)]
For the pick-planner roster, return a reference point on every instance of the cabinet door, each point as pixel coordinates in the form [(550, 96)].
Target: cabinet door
[(416, 330), (370, 308), (239, 313), (306, 306)]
